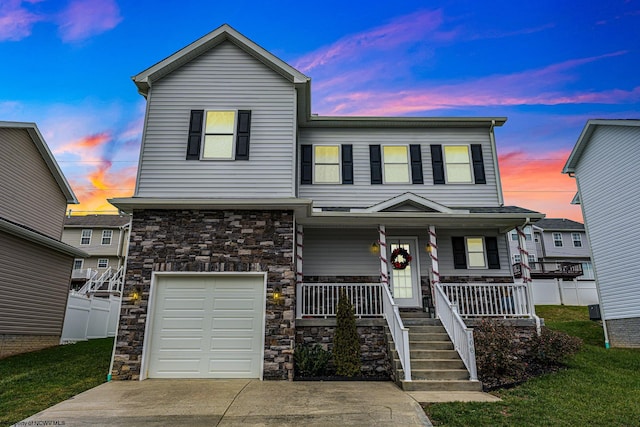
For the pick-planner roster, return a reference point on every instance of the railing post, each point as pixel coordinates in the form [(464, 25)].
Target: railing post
[(384, 269)]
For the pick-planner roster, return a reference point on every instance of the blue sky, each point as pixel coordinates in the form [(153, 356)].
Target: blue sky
[(546, 65)]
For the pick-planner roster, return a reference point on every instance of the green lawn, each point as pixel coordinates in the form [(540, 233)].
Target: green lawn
[(34, 381), (600, 388)]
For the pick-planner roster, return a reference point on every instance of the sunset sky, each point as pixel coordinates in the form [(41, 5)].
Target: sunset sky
[(546, 65)]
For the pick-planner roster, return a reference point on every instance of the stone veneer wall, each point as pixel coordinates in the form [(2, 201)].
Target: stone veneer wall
[(11, 344), (373, 343), (210, 241), (624, 332)]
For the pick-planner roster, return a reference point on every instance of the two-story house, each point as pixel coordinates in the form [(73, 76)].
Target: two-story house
[(250, 214), (606, 164), (560, 260), (35, 265), (104, 237)]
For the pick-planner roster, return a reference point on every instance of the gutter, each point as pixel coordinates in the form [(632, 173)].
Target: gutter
[(496, 167)]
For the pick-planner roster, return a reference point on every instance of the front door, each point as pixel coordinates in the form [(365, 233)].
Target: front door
[(404, 273)]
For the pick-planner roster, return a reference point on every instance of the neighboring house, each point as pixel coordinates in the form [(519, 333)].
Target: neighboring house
[(559, 256), (103, 237), (250, 214), (606, 164), (35, 265)]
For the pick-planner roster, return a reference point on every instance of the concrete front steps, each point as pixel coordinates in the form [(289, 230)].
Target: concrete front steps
[(435, 365)]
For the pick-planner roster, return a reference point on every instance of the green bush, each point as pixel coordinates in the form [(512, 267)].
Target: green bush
[(553, 348), (311, 360), (346, 343)]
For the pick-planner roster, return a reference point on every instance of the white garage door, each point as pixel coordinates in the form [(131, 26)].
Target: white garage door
[(207, 327)]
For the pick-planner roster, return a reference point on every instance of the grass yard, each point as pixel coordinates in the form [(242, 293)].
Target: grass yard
[(34, 381), (600, 388)]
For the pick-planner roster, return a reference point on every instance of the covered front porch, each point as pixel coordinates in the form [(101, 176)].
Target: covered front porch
[(452, 265)]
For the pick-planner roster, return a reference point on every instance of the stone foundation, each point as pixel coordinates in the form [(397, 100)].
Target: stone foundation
[(210, 241), (624, 333), (373, 342), (18, 344)]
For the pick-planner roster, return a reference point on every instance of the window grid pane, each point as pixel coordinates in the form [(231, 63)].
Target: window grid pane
[(85, 238), (218, 147), (457, 163), (557, 240), (220, 122), (396, 164), (106, 237), (475, 252), (103, 263), (326, 164)]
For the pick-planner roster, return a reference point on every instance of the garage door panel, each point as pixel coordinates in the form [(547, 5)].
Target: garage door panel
[(209, 327)]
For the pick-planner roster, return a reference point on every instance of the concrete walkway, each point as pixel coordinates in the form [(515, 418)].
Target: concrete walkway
[(237, 403)]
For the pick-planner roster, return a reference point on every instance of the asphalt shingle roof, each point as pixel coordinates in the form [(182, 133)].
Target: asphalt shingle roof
[(97, 220), (559, 224)]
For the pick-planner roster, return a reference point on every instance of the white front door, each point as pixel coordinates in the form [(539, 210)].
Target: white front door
[(405, 280)]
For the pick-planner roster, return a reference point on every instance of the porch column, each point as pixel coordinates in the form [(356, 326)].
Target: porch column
[(526, 273), (299, 274), (384, 269), (433, 253)]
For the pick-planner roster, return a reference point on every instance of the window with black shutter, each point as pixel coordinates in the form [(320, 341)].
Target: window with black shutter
[(219, 135)]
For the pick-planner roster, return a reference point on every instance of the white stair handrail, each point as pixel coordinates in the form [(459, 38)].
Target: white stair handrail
[(459, 333), (399, 333)]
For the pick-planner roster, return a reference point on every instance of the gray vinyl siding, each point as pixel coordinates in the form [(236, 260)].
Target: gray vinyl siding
[(607, 175), (363, 194), (29, 195), (567, 250), (34, 284), (346, 252), (223, 78)]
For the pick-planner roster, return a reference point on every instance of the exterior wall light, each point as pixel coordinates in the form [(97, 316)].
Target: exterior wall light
[(135, 295), (374, 248), (277, 295)]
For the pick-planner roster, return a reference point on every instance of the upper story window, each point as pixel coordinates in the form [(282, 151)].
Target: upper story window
[(326, 164), (396, 164), (219, 135), (107, 235), (577, 240), (557, 240), (457, 164), (85, 237), (527, 234), (517, 258), (78, 263)]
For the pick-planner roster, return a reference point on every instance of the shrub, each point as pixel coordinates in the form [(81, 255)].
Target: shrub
[(346, 343), (497, 358), (553, 348), (311, 360)]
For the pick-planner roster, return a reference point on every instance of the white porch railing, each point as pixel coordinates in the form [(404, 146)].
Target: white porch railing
[(109, 281), (399, 333), (489, 299), (461, 336), (321, 299)]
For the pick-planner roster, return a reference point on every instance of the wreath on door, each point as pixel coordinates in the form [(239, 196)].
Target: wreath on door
[(400, 258)]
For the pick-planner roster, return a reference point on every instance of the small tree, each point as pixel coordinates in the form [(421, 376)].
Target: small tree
[(346, 343)]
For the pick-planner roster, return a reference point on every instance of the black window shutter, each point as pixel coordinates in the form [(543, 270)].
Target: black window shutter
[(306, 164), (242, 134), (437, 164), (493, 256), (459, 253), (416, 164), (347, 164), (478, 164), (375, 159), (195, 134)]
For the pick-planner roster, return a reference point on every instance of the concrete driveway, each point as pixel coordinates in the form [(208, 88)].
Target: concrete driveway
[(237, 403)]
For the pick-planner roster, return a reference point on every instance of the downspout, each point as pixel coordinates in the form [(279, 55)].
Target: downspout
[(495, 163), (124, 275)]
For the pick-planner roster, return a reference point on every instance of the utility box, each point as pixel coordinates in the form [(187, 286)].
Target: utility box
[(594, 312)]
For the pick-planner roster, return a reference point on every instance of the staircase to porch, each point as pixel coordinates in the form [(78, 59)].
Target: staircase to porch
[(435, 364)]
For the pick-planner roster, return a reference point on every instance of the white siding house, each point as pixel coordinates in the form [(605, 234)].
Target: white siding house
[(606, 164), (251, 214)]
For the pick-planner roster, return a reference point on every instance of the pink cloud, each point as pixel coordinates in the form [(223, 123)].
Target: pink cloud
[(16, 21), (530, 87), (85, 18), (405, 29)]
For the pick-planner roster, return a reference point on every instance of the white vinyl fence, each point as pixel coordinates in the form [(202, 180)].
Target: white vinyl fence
[(567, 292), (89, 317)]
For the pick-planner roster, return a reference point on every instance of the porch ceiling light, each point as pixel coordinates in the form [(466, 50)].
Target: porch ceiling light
[(374, 248)]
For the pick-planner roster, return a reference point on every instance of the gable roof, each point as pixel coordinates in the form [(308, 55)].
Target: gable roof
[(103, 221), (47, 156), (225, 32), (558, 224), (411, 201), (585, 137)]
